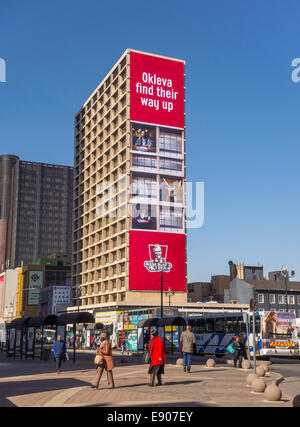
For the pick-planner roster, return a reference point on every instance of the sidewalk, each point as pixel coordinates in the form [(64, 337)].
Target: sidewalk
[(36, 384)]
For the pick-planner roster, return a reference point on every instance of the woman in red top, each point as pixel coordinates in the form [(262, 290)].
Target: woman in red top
[(158, 357)]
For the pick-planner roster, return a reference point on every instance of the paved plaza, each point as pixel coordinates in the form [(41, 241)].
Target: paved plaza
[(28, 383)]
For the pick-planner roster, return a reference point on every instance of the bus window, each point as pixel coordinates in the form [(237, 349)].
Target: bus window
[(200, 326), (210, 325), (257, 324), (219, 325), (230, 325)]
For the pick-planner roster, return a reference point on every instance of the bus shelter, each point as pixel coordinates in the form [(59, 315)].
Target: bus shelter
[(73, 319), (16, 337), (170, 327), (173, 327), (36, 340), (93, 330)]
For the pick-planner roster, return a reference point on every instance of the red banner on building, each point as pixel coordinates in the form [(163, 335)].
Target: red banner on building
[(156, 90), (148, 252)]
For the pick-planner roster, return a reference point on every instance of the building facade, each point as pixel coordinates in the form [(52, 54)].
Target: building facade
[(129, 186), (43, 286), (35, 210), (270, 294)]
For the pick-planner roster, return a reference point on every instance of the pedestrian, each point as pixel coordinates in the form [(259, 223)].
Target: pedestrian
[(59, 352), (158, 357), (237, 357), (243, 345), (123, 346), (106, 362), (188, 341)]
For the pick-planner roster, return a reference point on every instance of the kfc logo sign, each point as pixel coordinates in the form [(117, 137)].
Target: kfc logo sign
[(157, 260), (152, 252), (156, 90)]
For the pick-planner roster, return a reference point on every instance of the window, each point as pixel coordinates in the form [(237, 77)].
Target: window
[(291, 299), (144, 161), (170, 218), (144, 187), (170, 142), (210, 325), (171, 165), (260, 298), (281, 299), (220, 327), (199, 326), (272, 298)]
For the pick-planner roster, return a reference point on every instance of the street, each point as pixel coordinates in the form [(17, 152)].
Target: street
[(286, 367)]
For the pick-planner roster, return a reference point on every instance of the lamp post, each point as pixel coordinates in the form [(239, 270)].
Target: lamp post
[(169, 294), (286, 276)]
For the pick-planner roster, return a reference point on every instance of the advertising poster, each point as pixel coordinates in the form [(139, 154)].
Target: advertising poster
[(143, 138), (147, 252), (156, 90), (35, 284), (1, 295), (278, 324)]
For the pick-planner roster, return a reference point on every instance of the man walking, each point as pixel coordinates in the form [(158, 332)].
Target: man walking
[(59, 352), (187, 340)]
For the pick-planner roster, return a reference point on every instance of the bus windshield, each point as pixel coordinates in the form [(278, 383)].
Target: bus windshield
[(279, 325)]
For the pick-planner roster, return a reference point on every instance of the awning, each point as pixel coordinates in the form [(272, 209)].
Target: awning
[(172, 321), (166, 321), (78, 317), (149, 322), (38, 321), (92, 326), (18, 323)]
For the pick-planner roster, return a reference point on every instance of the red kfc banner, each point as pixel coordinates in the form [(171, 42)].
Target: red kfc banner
[(156, 90), (149, 253)]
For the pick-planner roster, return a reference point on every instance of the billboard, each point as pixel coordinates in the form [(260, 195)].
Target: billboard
[(156, 90), (153, 251), (35, 284), (278, 324)]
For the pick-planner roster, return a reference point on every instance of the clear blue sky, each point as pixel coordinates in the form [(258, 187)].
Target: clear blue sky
[(242, 106)]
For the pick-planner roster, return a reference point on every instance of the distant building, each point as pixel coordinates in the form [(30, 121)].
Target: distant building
[(8, 292), (270, 294), (36, 201), (208, 291), (38, 292)]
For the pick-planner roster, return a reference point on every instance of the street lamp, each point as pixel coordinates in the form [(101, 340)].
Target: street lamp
[(169, 293), (285, 273)]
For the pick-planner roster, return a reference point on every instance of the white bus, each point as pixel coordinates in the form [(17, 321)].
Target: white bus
[(276, 334)]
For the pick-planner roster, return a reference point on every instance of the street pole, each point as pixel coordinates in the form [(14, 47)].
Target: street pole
[(161, 293), (286, 295), (254, 345)]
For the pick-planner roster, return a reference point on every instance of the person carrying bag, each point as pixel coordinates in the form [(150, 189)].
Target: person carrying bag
[(103, 361)]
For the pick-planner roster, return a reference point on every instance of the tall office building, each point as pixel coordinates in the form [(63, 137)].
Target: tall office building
[(35, 211), (129, 186)]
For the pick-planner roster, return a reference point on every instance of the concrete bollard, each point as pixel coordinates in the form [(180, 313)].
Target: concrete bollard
[(296, 401), (260, 371), (179, 362), (272, 393), (250, 378), (246, 364), (258, 385), (210, 363), (266, 367)]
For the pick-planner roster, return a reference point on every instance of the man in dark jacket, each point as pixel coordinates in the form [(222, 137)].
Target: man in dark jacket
[(237, 357), (59, 352)]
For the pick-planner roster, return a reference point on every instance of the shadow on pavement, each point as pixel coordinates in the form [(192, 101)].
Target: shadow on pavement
[(16, 388)]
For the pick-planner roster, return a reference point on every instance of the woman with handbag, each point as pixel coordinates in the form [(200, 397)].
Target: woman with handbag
[(103, 361)]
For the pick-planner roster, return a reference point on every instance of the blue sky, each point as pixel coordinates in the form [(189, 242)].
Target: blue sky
[(242, 105)]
